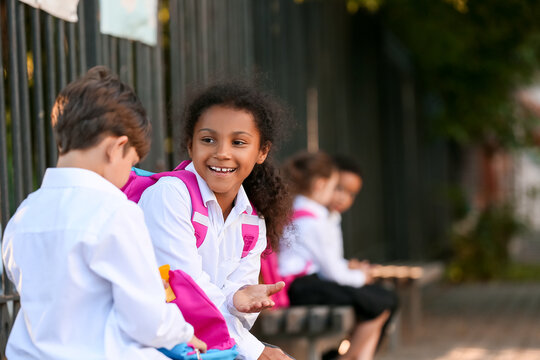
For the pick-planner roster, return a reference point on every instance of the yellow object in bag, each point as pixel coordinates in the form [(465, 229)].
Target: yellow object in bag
[(164, 272)]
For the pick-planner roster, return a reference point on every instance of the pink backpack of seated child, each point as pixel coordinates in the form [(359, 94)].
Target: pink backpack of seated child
[(270, 272), (197, 308)]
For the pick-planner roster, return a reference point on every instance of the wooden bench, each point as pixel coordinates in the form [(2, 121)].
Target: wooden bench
[(306, 332)]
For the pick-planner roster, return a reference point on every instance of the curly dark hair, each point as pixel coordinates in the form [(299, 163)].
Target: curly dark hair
[(264, 186)]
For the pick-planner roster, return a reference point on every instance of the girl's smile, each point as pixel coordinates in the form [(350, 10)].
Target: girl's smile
[(225, 147), (222, 170)]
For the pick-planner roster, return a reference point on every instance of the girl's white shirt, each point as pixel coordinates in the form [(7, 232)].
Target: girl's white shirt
[(216, 266), (316, 243), (82, 261)]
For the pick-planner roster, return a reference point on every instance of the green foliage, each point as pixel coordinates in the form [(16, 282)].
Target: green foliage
[(480, 244), (522, 272), (471, 56)]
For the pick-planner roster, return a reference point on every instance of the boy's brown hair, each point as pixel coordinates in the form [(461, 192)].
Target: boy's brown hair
[(96, 105)]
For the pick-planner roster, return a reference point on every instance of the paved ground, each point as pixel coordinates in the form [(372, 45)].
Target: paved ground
[(475, 321)]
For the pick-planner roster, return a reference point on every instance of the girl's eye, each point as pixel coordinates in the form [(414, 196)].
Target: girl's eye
[(239, 142), (207, 140)]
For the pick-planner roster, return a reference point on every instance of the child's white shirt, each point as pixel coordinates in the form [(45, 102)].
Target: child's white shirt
[(216, 266), (82, 261), (315, 244)]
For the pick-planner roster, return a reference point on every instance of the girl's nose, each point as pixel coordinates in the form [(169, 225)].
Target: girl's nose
[(223, 151)]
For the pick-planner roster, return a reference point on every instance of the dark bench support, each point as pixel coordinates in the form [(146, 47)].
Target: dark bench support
[(408, 279), (305, 331)]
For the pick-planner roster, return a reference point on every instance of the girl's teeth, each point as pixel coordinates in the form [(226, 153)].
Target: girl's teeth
[(218, 169)]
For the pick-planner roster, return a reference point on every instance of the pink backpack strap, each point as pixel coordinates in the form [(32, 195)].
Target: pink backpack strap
[(301, 213), (199, 213), (250, 230)]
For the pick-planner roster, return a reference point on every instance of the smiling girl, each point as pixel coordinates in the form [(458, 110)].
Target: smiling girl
[(229, 130)]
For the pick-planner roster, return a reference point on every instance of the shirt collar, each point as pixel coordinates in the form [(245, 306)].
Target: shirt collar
[(303, 202), (241, 202), (335, 217), (78, 177)]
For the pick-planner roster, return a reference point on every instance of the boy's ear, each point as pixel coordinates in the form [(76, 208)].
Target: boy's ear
[(116, 147), (263, 152)]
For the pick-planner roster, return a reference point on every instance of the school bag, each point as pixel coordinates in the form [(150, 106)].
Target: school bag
[(269, 268), (196, 307), (199, 311)]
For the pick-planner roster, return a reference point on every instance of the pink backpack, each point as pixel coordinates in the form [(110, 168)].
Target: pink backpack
[(139, 180), (196, 307), (270, 272)]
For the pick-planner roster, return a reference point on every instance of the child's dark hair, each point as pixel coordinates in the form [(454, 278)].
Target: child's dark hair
[(302, 168), (348, 164), (264, 186), (96, 105)]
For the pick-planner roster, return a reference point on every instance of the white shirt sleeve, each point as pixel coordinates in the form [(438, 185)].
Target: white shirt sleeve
[(320, 242), (124, 256), (167, 212)]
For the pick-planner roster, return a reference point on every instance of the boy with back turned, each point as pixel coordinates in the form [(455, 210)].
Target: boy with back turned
[(78, 251)]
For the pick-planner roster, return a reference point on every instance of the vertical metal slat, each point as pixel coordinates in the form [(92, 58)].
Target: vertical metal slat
[(105, 50), (39, 106), (143, 88), (26, 129), (175, 75), (82, 40), (113, 54), (4, 188), (158, 103), (72, 52), (18, 172), (125, 57), (202, 30), (61, 36), (51, 85)]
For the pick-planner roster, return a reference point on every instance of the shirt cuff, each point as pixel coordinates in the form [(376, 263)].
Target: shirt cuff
[(230, 304), (249, 347)]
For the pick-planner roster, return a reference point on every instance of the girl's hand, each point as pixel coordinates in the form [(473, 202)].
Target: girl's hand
[(273, 353), (255, 298), (198, 344)]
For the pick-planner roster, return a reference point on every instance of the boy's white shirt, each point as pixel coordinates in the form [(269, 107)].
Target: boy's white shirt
[(317, 240), (82, 261), (216, 266)]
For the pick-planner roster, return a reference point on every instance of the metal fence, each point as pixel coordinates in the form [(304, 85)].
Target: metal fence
[(349, 84)]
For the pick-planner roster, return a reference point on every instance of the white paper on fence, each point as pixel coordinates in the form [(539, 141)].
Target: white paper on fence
[(63, 9), (131, 19)]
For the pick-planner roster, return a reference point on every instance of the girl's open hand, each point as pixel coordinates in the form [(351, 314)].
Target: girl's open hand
[(198, 344), (255, 298)]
